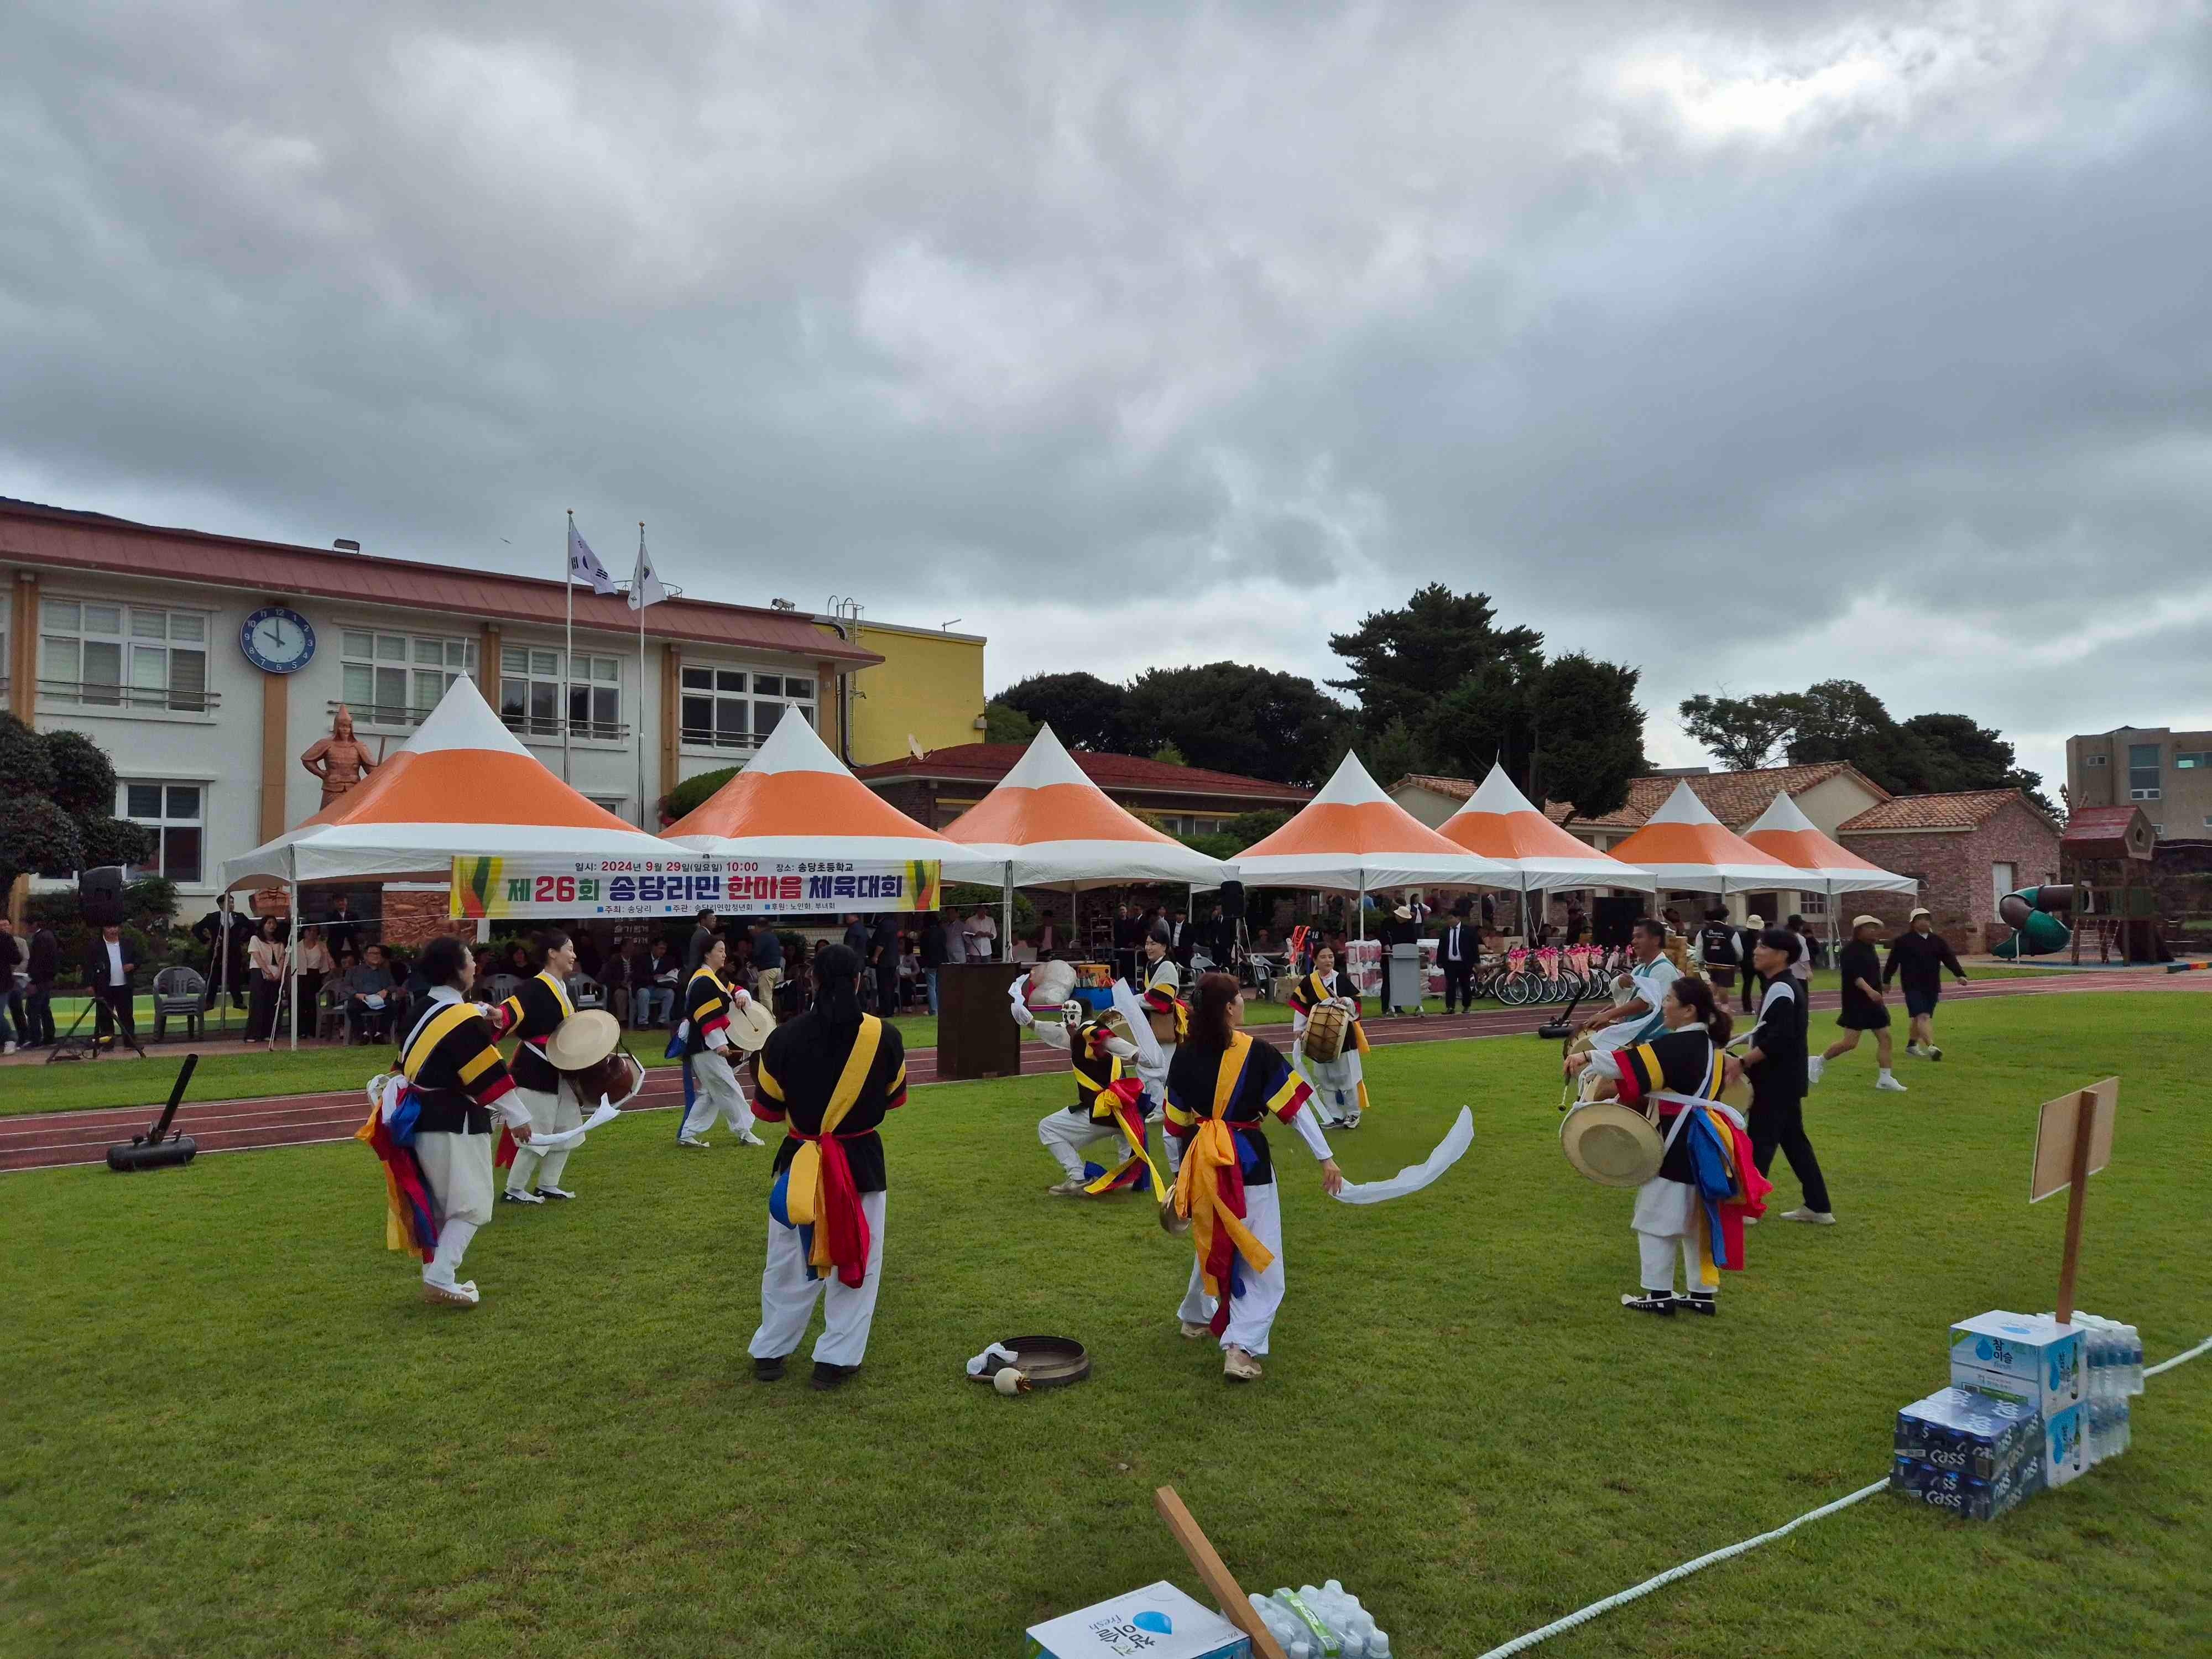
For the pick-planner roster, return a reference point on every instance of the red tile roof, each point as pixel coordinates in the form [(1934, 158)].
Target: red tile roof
[(59, 538), (1967, 809), (1734, 798), (984, 763)]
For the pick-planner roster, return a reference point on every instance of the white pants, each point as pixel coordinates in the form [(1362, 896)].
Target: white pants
[(720, 1095), (787, 1297), (1066, 1135), (1253, 1314), (1666, 1225), (457, 1168), (549, 1114), (1335, 1084), (1156, 1112)]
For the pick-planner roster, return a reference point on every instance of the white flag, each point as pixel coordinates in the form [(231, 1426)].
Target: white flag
[(584, 565), (644, 586)]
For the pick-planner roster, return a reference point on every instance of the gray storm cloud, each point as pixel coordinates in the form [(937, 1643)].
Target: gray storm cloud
[(1753, 343)]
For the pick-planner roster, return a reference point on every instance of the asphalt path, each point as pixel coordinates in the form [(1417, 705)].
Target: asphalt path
[(57, 1139)]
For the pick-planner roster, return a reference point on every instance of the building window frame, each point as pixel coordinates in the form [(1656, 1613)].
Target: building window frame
[(151, 659), (2146, 779), (176, 811), (385, 674), (719, 705), (2096, 760), (532, 679)]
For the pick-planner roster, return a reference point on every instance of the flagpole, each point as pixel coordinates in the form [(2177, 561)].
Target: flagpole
[(644, 818), (568, 649)]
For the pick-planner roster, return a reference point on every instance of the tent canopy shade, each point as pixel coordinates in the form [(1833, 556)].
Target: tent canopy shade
[(1499, 822), (1049, 825), (1353, 838), (1823, 866), (1685, 847), (463, 785), (794, 799)]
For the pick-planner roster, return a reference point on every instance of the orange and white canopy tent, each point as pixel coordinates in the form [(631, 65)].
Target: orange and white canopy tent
[(1821, 866), (1685, 847), (462, 786), (794, 799), (1499, 822), (1352, 838), (1048, 825)]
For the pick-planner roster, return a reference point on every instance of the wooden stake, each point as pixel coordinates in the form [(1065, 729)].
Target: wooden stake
[(1220, 1582), (2078, 1194)]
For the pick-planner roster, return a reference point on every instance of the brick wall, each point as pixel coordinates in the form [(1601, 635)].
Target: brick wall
[(414, 919), (1954, 869)]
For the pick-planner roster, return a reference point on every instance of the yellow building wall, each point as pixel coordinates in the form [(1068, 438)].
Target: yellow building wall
[(929, 688)]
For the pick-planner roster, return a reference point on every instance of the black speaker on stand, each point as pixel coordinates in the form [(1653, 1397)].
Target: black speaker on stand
[(100, 896)]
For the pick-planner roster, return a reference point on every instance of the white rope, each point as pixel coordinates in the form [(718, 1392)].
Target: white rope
[(1521, 1644)]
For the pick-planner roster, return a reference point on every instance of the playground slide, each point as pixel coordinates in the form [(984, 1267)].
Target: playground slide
[(2036, 932)]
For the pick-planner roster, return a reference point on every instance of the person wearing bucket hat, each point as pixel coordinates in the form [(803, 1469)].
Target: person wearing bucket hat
[(1918, 958), (1707, 1184), (830, 1077), (1859, 965), (709, 1003), (533, 1014)]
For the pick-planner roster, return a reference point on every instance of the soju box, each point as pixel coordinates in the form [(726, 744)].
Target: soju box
[(1157, 1622), (2022, 1357)]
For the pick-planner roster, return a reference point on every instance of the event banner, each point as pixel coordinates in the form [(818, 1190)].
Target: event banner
[(526, 887)]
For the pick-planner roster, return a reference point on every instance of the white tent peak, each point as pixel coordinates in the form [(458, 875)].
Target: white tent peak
[(1046, 762), (1496, 795), (1782, 813), (463, 720), (1351, 786), (794, 746), (1683, 806)]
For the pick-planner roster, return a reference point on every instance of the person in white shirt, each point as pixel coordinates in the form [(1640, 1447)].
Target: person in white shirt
[(982, 935), (1650, 972), (109, 967)]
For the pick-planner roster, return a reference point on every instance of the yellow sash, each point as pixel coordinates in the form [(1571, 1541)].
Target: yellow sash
[(802, 1197), (1198, 1183)]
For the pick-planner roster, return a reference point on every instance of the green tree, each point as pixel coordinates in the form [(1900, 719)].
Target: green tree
[(1004, 723), (1395, 752), (1587, 733), (1231, 717), (58, 804), (1084, 711), (1168, 755), (1743, 733), (1403, 661), (1251, 826), (692, 794)]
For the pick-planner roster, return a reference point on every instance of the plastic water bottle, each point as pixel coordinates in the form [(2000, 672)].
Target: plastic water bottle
[(1378, 1647)]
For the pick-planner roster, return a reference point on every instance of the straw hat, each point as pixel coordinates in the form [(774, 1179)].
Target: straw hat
[(582, 1041), (750, 1026), (1610, 1144)]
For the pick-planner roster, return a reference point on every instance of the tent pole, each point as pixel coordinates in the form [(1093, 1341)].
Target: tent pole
[(292, 953), (569, 656), (1006, 913)]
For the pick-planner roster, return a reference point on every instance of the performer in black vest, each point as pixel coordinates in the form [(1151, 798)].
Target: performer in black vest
[(831, 1076), (1776, 1065), (1719, 950), (533, 1013), (1107, 1081)]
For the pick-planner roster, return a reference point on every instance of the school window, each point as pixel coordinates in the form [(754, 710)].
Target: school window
[(736, 707), (2195, 762), (532, 689), (123, 656), (176, 814), (2143, 780), (2094, 760), (1812, 904), (397, 679)]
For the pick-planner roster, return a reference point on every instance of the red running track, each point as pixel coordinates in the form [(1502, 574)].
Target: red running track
[(57, 1139)]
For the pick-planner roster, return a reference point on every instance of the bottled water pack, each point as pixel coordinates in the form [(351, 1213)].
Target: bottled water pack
[(1323, 1623), (2112, 1372)]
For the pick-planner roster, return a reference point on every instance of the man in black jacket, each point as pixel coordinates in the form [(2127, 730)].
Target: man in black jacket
[(111, 970), (1777, 1064), (883, 963), (44, 966), (1918, 958), (223, 933), (11, 994), (1458, 951)]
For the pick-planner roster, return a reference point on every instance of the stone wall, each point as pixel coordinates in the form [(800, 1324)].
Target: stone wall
[(1954, 869), (413, 919)]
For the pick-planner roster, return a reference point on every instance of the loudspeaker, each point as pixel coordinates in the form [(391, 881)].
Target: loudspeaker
[(100, 895), (1612, 920), (1232, 900)]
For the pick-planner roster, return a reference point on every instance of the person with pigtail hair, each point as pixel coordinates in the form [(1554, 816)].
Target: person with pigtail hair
[(830, 1077), (1708, 1180)]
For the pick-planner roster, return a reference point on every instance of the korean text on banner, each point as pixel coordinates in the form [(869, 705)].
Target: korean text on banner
[(495, 888)]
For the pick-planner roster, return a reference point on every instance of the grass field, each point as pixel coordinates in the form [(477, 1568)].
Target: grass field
[(124, 1081), (235, 1429)]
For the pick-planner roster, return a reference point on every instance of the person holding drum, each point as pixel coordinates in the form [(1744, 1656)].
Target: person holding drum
[(1680, 1069), (533, 1013), (708, 1003), (1327, 1041), (1222, 1085)]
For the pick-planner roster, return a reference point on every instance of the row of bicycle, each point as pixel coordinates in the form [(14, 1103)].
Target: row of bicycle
[(1548, 973)]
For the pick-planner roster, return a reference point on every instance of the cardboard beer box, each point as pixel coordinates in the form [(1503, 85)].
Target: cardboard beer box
[(1157, 1622), (2024, 1356), (1964, 1429)]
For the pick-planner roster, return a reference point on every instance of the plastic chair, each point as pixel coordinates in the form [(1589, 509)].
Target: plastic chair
[(178, 993), (585, 992)]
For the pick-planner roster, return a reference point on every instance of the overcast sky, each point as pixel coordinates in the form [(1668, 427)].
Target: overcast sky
[(1754, 342)]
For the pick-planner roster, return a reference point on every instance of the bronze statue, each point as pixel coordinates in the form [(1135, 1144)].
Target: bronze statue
[(339, 760)]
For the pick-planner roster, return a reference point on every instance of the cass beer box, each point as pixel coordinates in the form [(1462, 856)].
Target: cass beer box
[(2023, 1357), (1978, 1434), (1157, 1622)]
